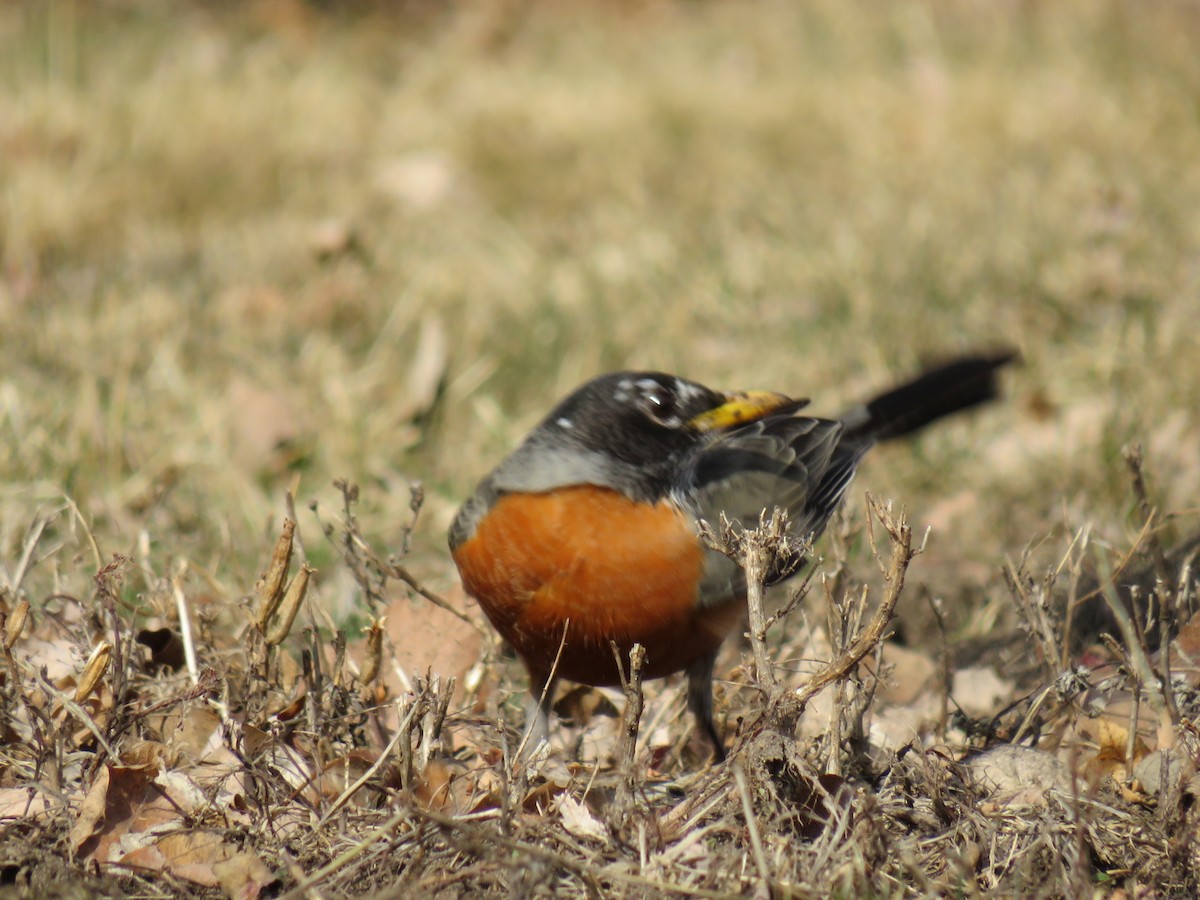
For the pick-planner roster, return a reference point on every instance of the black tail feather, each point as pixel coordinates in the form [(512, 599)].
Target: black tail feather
[(940, 391)]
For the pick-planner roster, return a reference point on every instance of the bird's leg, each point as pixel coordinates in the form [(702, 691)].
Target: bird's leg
[(700, 700), (537, 714)]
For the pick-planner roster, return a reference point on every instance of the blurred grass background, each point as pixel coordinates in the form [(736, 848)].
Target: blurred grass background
[(245, 244)]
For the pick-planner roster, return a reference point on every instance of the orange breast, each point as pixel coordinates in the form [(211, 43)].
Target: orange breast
[(615, 569)]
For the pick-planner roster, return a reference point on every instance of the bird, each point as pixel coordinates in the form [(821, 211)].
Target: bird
[(587, 536)]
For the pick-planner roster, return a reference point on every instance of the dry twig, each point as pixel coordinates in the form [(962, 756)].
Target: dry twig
[(631, 718), (758, 552), (894, 571)]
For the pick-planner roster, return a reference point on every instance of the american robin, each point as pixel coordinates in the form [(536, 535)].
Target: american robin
[(586, 535)]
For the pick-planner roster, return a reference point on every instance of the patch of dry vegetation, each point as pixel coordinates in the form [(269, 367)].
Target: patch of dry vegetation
[(247, 251)]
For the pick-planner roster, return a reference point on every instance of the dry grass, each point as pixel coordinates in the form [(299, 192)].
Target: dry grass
[(243, 250)]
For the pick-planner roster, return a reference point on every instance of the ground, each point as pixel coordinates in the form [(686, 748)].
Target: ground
[(332, 261)]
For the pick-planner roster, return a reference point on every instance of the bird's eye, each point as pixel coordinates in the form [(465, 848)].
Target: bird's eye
[(658, 404)]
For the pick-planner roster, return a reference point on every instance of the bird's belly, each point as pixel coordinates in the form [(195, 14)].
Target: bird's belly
[(600, 568)]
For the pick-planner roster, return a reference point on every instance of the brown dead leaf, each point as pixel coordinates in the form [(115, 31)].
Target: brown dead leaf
[(263, 423), (134, 816), (1179, 766), (452, 786), (243, 876), (147, 753), (23, 803), (588, 720), (98, 708), (541, 796), (91, 811), (448, 785), (1186, 646), (425, 637), (182, 792), (909, 674), (1111, 738), (579, 821), (980, 691), (201, 857), (340, 774), (1101, 740), (57, 656), (129, 804), (193, 732)]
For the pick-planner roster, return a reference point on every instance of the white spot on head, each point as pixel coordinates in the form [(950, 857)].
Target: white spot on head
[(624, 391), (686, 390), (564, 422)]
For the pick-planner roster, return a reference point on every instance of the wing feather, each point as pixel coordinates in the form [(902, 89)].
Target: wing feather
[(800, 464)]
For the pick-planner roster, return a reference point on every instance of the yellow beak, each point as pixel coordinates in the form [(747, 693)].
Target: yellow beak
[(739, 408)]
